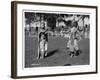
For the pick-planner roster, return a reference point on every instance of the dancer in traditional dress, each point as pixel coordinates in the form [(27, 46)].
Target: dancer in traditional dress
[(73, 42), (42, 50)]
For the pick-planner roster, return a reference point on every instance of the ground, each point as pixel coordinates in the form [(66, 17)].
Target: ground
[(57, 53)]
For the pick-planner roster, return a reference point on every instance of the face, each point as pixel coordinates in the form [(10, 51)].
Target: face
[(80, 27)]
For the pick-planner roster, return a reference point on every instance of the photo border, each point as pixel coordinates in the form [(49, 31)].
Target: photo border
[(14, 37)]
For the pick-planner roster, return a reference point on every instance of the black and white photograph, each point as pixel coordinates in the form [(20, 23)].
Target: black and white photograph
[(53, 39)]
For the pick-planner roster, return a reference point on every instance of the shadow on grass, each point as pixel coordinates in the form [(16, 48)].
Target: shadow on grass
[(67, 65), (52, 52)]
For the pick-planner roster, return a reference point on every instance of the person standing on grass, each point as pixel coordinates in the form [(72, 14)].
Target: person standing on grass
[(43, 38), (42, 52), (74, 39)]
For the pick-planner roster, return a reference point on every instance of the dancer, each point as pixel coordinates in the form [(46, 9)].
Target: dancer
[(73, 41), (42, 50)]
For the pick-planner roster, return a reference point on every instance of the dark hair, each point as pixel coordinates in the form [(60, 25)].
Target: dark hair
[(75, 24), (41, 33), (45, 35)]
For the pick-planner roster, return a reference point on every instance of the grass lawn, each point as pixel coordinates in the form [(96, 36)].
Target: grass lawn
[(57, 53)]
